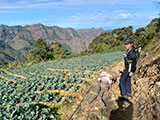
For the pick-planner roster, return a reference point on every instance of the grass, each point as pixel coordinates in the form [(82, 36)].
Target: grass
[(100, 113), (151, 46), (156, 52), (66, 109)]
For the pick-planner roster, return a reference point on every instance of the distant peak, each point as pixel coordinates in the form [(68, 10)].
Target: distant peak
[(35, 25)]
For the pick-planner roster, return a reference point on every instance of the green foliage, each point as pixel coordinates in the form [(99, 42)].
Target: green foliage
[(40, 51), (29, 112), (43, 52), (67, 48), (59, 52), (114, 40), (152, 47), (122, 34), (6, 53), (24, 89), (144, 36), (109, 40)]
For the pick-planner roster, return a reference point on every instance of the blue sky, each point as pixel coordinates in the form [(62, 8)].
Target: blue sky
[(79, 14)]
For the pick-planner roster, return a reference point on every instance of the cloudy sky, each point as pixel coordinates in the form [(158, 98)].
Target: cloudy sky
[(79, 14)]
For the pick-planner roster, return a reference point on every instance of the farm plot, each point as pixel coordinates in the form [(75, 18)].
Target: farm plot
[(34, 91)]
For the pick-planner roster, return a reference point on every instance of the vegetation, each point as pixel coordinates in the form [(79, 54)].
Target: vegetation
[(114, 40), (33, 90), (106, 42), (151, 48), (43, 52), (36, 90), (5, 53)]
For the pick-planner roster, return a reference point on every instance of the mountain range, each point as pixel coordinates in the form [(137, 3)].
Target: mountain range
[(16, 41)]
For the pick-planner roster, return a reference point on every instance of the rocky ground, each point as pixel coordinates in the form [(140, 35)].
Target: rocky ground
[(145, 104)]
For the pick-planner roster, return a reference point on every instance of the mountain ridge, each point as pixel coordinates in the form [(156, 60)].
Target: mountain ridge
[(20, 38)]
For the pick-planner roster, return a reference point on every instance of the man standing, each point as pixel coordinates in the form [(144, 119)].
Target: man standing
[(130, 68)]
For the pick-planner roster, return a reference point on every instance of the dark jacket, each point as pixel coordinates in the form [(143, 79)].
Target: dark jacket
[(130, 60)]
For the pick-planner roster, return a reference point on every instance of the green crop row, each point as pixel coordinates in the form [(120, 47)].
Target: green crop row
[(28, 112), (32, 83)]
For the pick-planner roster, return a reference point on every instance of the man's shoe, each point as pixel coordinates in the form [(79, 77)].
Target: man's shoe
[(125, 97), (125, 105), (129, 96)]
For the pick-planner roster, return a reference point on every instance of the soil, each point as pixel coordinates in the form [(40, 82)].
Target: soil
[(145, 102)]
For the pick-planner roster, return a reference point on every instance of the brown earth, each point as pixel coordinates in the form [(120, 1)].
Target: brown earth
[(145, 104)]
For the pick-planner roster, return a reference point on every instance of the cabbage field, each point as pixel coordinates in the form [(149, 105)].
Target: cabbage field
[(32, 92)]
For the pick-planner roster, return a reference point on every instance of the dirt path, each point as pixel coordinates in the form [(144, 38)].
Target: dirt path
[(145, 104), (95, 111)]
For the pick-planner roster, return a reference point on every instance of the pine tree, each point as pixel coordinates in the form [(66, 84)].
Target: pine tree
[(40, 51), (58, 51)]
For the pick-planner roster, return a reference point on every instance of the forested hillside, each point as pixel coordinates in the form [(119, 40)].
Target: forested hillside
[(114, 40)]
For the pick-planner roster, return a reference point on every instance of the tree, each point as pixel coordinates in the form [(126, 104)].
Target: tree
[(58, 52), (140, 37), (40, 51), (106, 41)]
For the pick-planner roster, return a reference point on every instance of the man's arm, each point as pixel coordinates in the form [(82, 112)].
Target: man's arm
[(132, 65)]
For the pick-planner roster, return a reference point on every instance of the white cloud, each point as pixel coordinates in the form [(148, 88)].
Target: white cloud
[(99, 17), (96, 17), (22, 4), (107, 20), (103, 18), (113, 3), (97, 20), (51, 3), (102, 2), (119, 11), (97, 1), (154, 15), (42, 0), (133, 2), (28, 4), (124, 15)]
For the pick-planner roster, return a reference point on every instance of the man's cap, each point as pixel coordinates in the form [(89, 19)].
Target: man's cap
[(128, 42)]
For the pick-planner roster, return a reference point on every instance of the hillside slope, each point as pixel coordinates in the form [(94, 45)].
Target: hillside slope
[(145, 104), (114, 40)]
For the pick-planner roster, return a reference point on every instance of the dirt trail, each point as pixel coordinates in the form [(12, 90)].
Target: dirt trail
[(145, 104), (92, 111)]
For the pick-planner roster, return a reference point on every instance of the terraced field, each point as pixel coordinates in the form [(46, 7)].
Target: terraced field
[(35, 91)]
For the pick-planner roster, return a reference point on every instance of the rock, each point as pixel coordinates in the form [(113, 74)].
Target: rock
[(90, 98), (100, 86), (96, 87), (101, 102)]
